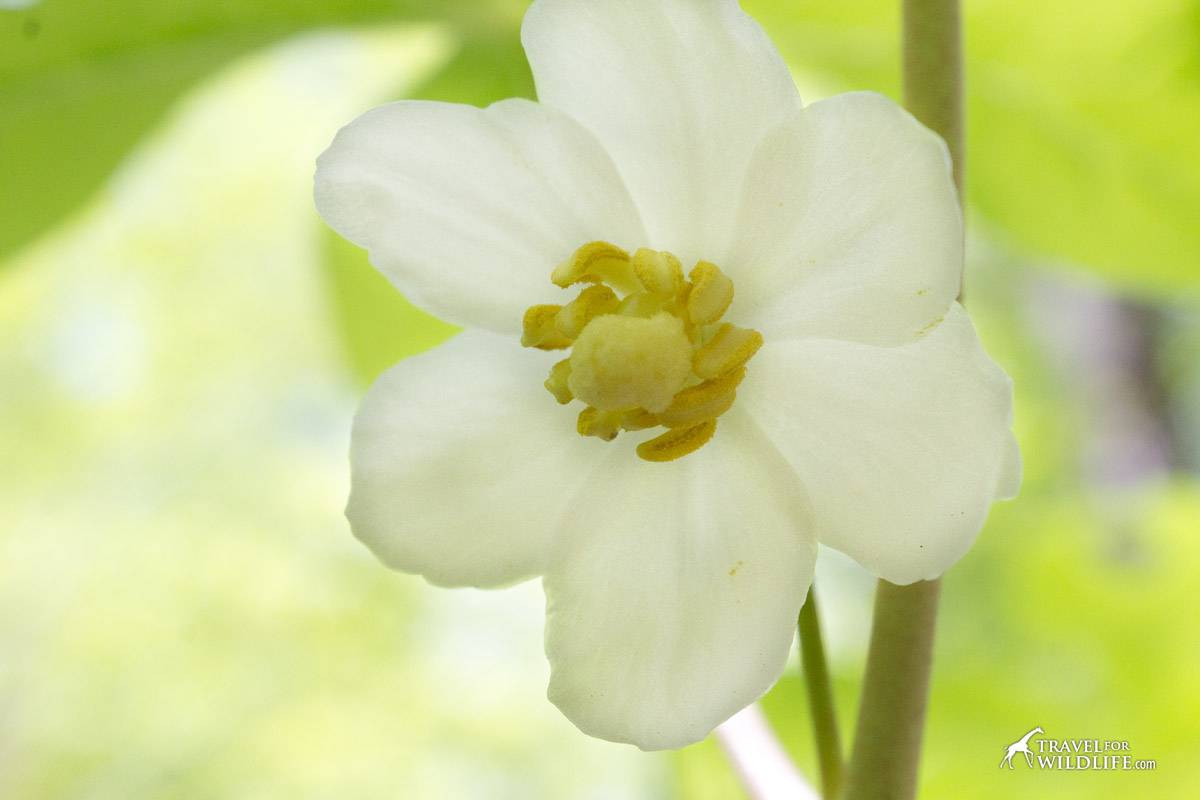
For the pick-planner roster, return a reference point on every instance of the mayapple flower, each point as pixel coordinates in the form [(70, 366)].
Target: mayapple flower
[(706, 329)]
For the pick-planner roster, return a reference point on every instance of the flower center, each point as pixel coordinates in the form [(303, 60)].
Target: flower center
[(648, 348)]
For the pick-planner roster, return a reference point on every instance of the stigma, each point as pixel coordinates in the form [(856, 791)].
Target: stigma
[(648, 347)]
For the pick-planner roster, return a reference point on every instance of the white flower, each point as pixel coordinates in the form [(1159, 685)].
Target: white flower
[(870, 419)]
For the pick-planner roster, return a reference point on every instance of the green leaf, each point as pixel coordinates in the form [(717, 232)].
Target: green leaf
[(81, 81), (377, 326), (1082, 119), (1083, 128)]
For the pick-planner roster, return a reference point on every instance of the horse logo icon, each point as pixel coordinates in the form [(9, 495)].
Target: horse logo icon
[(1020, 746)]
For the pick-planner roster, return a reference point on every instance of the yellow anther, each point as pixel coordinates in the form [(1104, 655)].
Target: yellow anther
[(595, 262), (591, 303), (638, 419), (540, 331), (682, 295), (731, 347), (557, 382), (623, 362), (677, 442), (703, 401), (711, 293), (602, 424), (659, 272)]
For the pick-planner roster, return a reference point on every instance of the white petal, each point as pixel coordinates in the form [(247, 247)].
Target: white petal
[(468, 210), (901, 449), (461, 462), (673, 590), (679, 92), (849, 225)]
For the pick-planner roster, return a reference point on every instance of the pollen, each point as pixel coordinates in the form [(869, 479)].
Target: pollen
[(648, 347)]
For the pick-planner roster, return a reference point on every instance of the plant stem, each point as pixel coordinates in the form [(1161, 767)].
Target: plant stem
[(891, 718), (820, 698), (887, 743), (933, 82)]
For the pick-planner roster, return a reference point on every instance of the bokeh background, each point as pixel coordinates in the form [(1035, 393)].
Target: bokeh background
[(183, 612)]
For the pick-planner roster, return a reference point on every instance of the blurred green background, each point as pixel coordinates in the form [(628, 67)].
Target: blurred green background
[(183, 613)]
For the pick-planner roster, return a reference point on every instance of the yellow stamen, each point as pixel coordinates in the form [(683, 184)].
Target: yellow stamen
[(731, 347), (677, 442), (602, 424), (638, 419), (641, 304), (595, 262), (704, 401), (540, 330), (591, 303), (660, 273), (711, 293), (560, 373)]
